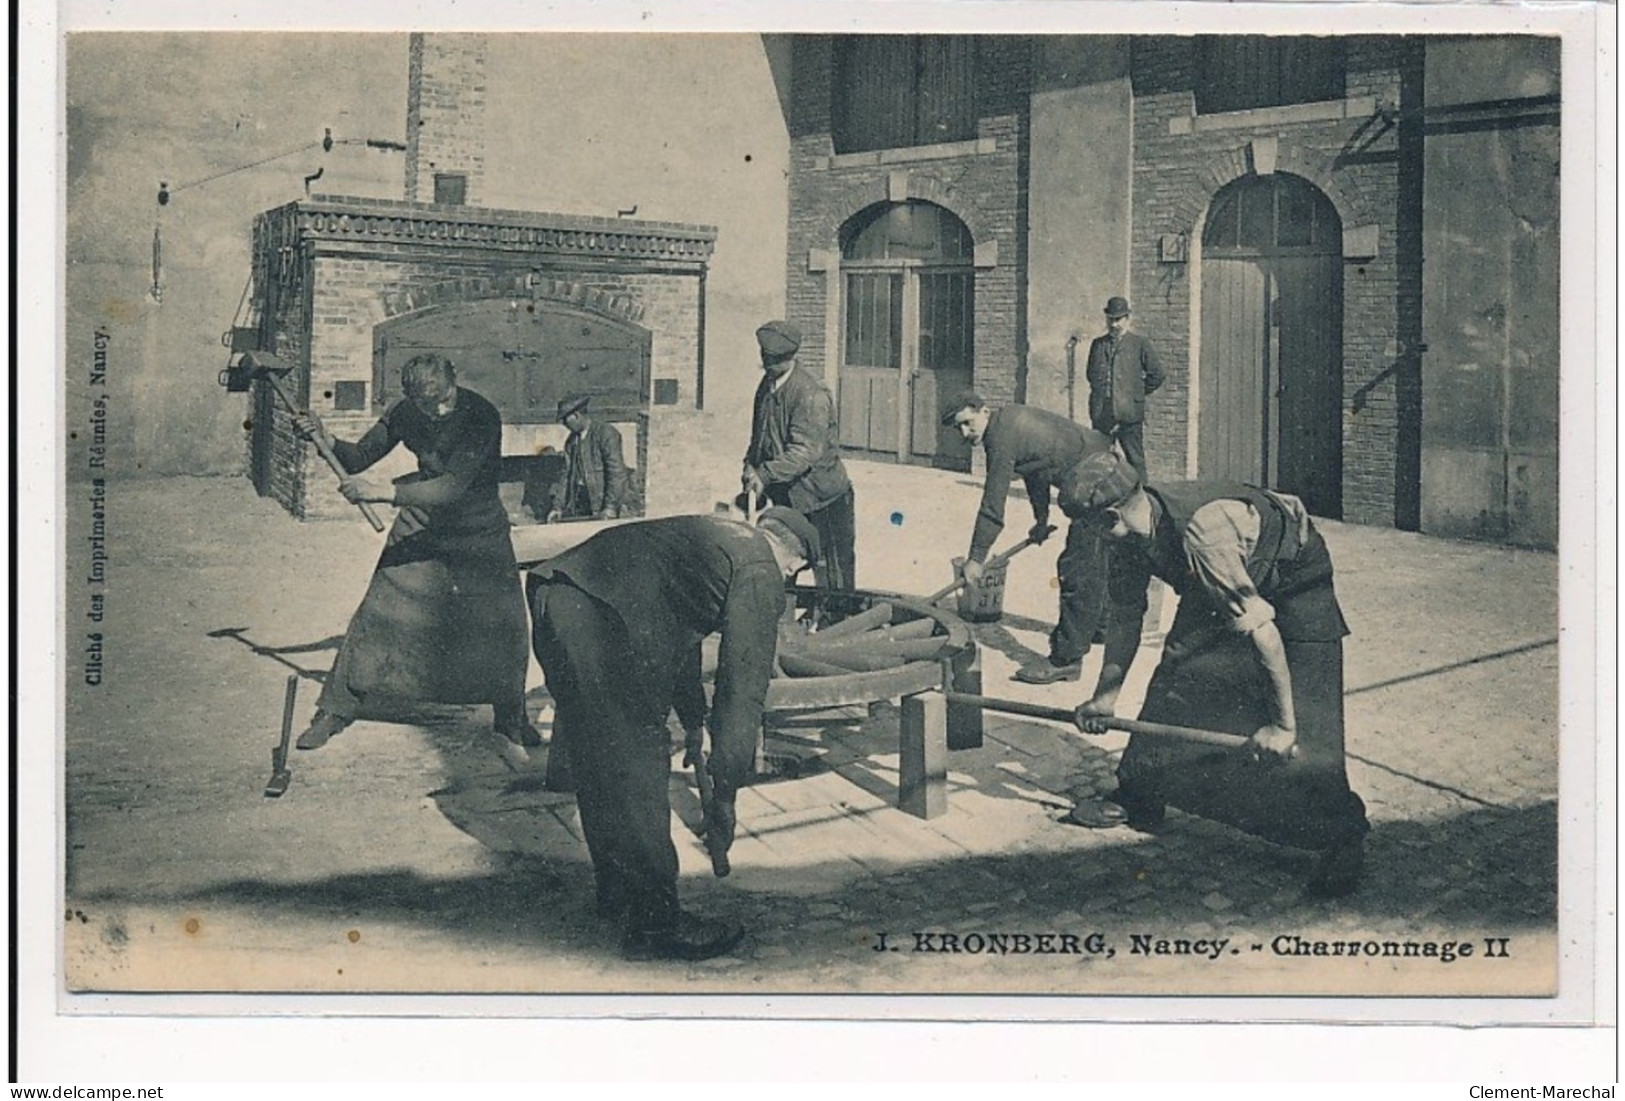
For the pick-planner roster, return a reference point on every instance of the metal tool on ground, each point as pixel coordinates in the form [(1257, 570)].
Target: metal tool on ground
[(996, 561), (694, 756), (281, 775), (271, 368), (1128, 726)]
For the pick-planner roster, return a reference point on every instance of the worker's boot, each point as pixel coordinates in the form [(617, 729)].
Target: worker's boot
[(321, 730), (1337, 873), (1047, 671), (514, 724), (1120, 808), (690, 937)]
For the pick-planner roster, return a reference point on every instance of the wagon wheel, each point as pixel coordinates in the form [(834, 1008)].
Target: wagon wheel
[(896, 646)]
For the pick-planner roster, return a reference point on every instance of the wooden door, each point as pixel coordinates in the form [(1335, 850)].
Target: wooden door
[(1307, 316), (872, 375), (1235, 371), (944, 349), (1271, 365), (523, 358)]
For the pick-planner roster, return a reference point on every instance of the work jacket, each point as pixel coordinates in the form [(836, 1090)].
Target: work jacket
[(593, 462), (1037, 446), (795, 442), (672, 582), (1121, 374)]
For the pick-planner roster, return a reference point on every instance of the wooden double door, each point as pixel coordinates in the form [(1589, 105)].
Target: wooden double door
[(1271, 365), (909, 340)]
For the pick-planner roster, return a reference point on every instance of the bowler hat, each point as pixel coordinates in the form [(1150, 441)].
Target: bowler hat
[(573, 404), (797, 525), (778, 339), (1101, 481), (964, 399), (1117, 306)]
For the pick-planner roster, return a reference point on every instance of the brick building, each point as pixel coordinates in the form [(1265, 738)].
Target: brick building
[(961, 207)]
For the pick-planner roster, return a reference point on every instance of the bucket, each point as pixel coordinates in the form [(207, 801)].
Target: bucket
[(984, 601)]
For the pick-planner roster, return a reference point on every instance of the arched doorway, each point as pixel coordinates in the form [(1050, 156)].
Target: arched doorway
[(908, 331), (1272, 340)]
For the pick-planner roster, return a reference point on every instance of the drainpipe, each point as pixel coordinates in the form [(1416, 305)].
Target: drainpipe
[(699, 350), (1072, 377)]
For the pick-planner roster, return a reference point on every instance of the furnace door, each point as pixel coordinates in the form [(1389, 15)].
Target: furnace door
[(523, 356), (1271, 363), (908, 306)]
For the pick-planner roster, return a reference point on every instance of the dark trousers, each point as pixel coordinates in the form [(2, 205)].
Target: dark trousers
[(837, 569), (1081, 570), (613, 728), (1131, 438)]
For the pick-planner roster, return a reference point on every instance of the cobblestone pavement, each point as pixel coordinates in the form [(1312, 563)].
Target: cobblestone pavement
[(422, 855)]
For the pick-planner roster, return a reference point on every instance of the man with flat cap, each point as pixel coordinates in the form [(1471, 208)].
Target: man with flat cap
[(617, 623), (1123, 369), (1043, 449), (794, 457), (1255, 649), (594, 482)]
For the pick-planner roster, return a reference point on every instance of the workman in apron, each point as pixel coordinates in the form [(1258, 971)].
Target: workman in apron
[(443, 618), (1255, 649)]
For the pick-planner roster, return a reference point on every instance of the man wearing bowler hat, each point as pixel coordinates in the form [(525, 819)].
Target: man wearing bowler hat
[(1123, 369), (594, 482), (794, 457)]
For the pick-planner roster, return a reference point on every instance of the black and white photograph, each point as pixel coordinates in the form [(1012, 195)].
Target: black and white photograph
[(1083, 512)]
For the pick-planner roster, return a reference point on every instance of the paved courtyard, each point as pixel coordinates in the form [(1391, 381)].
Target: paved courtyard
[(424, 855)]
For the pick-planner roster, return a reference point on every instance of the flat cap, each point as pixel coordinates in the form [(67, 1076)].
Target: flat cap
[(1101, 481), (572, 404), (1117, 306), (778, 339), (797, 525), (964, 399)]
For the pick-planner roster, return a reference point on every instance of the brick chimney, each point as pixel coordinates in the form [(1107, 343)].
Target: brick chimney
[(445, 118)]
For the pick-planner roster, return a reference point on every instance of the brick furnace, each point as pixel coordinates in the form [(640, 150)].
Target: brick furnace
[(530, 306)]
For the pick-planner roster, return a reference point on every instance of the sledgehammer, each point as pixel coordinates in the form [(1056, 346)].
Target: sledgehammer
[(1128, 726), (272, 368), (280, 773)]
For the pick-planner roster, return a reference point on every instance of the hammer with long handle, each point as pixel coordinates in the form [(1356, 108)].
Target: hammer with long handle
[(280, 773), (270, 372), (1128, 726), (996, 560)]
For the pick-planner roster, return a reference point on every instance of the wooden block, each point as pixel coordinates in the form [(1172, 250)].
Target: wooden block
[(965, 720), (922, 786)]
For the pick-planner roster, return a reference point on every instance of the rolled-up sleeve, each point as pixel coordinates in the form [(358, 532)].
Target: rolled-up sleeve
[(1217, 542)]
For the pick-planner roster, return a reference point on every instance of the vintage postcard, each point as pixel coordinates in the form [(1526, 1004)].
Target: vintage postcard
[(1190, 425)]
